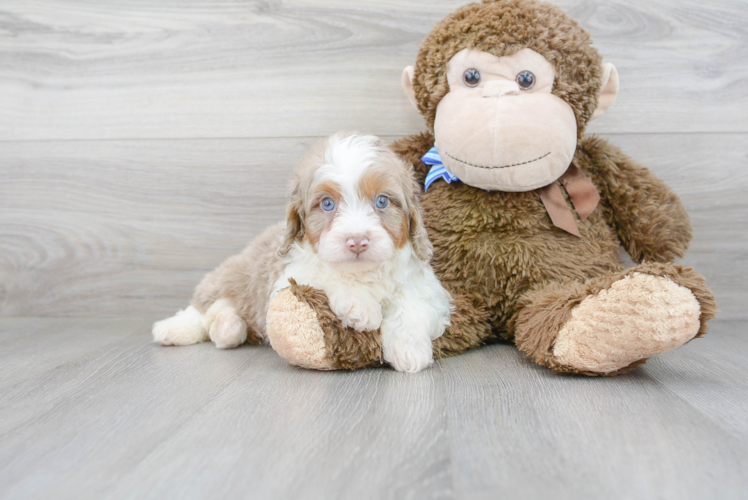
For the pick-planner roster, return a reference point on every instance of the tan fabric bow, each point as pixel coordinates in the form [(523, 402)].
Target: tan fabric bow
[(583, 194)]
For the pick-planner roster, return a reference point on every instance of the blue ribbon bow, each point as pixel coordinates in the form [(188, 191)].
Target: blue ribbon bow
[(438, 170)]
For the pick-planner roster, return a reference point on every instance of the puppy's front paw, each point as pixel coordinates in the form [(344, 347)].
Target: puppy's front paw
[(361, 315), (408, 354)]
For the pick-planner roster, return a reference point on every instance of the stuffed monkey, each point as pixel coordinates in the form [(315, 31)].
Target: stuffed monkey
[(526, 213)]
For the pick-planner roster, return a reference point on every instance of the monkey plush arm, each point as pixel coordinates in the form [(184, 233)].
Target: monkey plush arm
[(647, 215)]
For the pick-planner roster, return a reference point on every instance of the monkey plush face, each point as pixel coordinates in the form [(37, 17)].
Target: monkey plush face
[(500, 127), (507, 87)]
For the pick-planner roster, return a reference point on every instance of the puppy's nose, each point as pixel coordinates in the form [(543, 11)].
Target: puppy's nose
[(357, 244)]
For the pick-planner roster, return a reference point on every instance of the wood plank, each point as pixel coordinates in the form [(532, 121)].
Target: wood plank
[(520, 431), (152, 422), (32, 348), (105, 226), (707, 374), (121, 70), (39, 371), (14, 329), (282, 432), (106, 408), (130, 419), (129, 227)]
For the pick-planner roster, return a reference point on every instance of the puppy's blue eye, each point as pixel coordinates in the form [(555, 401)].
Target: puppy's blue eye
[(327, 205), (382, 202)]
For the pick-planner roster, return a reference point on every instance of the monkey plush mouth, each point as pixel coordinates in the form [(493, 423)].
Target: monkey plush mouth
[(502, 166)]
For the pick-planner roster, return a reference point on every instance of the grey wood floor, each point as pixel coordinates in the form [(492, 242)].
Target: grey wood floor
[(143, 141), (89, 408)]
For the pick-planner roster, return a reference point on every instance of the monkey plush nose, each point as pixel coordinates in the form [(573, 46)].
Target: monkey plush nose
[(357, 244), (498, 88)]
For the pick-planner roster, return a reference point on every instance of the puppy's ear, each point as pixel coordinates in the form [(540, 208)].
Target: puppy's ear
[(418, 235), (294, 220), (419, 238)]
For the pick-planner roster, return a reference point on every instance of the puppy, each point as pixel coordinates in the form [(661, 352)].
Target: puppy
[(354, 231)]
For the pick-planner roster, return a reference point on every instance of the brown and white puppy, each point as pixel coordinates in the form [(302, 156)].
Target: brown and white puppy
[(354, 231)]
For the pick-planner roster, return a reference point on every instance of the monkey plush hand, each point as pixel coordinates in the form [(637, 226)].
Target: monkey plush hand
[(525, 212)]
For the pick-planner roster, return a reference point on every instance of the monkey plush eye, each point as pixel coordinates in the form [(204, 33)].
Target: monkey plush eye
[(382, 202), (328, 204), (526, 80), (471, 77)]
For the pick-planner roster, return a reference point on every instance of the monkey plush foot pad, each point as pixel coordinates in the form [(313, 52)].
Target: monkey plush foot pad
[(295, 333), (638, 317), (303, 329)]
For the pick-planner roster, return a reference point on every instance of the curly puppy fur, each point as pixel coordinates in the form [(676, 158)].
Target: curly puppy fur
[(354, 231)]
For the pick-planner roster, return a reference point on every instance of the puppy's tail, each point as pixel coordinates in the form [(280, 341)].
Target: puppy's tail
[(184, 328)]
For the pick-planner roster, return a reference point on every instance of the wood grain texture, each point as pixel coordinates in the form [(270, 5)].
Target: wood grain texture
[(77, 69), (551, 436), (129, 227), (125, 225), (114, 416), (708, 376), (143, 142)]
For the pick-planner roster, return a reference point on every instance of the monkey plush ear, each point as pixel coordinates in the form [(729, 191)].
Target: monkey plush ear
[(408, 85), (609, 92)]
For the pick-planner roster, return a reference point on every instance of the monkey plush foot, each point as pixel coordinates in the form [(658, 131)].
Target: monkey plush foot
[(639, 316), (613, 323), (295, 333), (304, 331)]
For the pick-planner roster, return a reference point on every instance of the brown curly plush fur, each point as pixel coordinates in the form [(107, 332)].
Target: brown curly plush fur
[(492, 249), (499, 254), (346, 348), (502, 28), (513, 274), (544, 312)]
